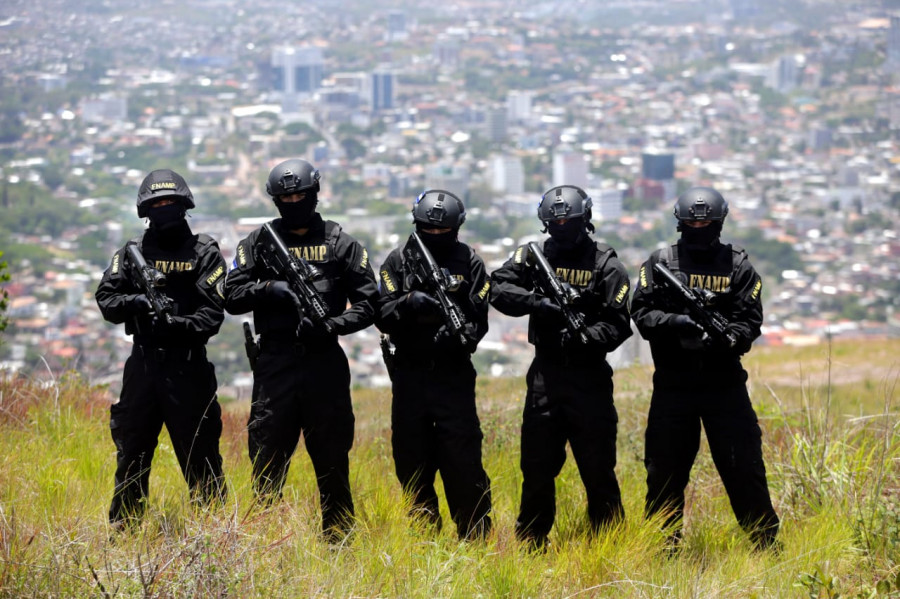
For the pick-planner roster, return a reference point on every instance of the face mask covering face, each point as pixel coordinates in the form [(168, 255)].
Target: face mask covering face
[(437, 243), (165, 218), (567, 235), (295, 215), (701, 238)]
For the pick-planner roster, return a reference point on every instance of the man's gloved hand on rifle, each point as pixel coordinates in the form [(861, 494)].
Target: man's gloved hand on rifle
[(280, 292), (310, 330), (572, 341), (690, 334), (425, 308), (138, 304), (547, 309), (445, 339), (421, 303)]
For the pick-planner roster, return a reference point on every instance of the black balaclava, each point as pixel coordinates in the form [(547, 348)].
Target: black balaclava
[(169, 224), (700, 239), (569, 235), (439, 244), (297, 215)]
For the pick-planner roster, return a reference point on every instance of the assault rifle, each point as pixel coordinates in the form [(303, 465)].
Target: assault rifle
[(300, 276), (150, 281), (563, 296), (250, 345), (699, 305), (437, 282)]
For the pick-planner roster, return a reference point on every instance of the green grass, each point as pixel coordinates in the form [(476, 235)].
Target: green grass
[(831, 442)]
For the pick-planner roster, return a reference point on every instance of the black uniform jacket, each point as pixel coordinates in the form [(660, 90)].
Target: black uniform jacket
[(595, 271), (413, 335), (195, 273), (726, 272), (346, 276)]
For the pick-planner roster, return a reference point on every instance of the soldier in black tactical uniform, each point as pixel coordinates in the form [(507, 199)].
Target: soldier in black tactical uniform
[(570, 386), (167, 379), (302, 378), (434, 422), (699, 379)]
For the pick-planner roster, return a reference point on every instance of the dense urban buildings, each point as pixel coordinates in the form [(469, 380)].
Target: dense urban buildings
[(791, 109)]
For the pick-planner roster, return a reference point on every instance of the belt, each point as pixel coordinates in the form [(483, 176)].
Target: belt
[(279, 345), (164, 354), (274, 343)]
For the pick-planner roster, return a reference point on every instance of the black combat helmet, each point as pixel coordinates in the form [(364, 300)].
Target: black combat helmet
[(439, 208), (701, 204), (163, 183), (293, 176), (564, 202)]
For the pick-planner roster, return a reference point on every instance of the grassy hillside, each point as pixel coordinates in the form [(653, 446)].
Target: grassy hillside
[(832, 446)]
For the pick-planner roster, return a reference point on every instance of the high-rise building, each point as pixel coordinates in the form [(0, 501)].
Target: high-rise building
[(570, 168), (657, 165), (607, 203), (396, 25), (507, 174), (744, 9), (495, 124), (518, 105), (819, 138), (446, 52), (892, 64), (451, 177), (783, 74), (297, 69), (383, 85)]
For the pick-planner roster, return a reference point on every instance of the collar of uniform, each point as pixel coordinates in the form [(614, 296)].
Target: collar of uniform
[(316, 224)]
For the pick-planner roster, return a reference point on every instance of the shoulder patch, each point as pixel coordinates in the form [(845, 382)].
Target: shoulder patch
[(519, 256), (365, 259), (756, 290), (114, 266), (240, 258), (388, 283), (484, 290), (643, 276), (622, 294), (215, 276)]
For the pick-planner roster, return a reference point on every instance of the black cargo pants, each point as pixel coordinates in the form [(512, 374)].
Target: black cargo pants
[(735, 442), (435, 428), (304, 390), (175, 387), (568, 403)]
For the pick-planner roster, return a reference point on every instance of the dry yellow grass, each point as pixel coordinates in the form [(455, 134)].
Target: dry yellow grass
[(832, 445)]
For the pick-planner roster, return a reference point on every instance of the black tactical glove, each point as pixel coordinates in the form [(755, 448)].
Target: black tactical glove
[(593, 337), (279, 292), (684, 323), (139, 304), (160, 326), (445, 339), (309, 330), (421, 303), (690, 334), (546, 308), (568, 341)]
